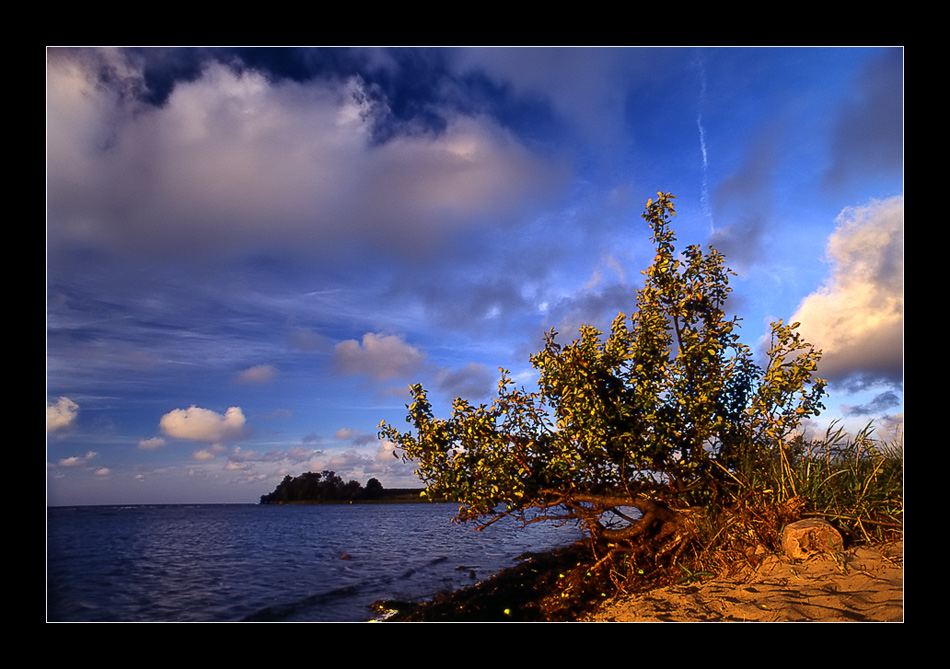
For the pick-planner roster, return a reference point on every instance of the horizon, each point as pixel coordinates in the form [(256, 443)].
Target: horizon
[(253, 252)]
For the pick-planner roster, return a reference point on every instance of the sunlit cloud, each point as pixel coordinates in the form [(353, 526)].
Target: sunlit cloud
[(857, 317), (151, 443), (77, 460), (286, 457), (198, 424), (257, 374), (378, 356), (61, 415), (210, 453)]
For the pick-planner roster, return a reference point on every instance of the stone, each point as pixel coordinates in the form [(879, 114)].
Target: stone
[(807, 537)]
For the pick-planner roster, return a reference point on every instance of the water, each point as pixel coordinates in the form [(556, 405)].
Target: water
[(208, 563)]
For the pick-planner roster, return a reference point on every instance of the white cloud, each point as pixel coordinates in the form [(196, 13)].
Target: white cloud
[(61, 415), (296, 455), (857, 316), (76, 460), (258, 374), (151, 444), (390, 463), (198, 424), (378, 356)]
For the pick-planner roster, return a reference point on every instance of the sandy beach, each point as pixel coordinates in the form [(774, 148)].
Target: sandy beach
[(861, 585)]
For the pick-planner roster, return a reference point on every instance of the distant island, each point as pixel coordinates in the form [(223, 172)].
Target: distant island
[(328, 488)]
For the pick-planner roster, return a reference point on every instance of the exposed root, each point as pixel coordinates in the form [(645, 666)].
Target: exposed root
[(682, 545)]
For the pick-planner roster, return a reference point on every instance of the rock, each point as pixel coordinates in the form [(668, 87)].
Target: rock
[(805, 537)]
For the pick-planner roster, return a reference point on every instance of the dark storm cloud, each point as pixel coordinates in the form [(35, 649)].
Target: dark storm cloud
[(418, 86), (876, 407), (162, 156)]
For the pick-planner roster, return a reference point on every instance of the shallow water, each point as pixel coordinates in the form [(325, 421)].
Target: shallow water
[(267, 562)]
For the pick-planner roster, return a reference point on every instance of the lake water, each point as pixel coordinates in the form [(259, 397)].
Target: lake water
[(216, 563)]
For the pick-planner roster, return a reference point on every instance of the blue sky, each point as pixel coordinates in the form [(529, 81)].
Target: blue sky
[(251, 253)]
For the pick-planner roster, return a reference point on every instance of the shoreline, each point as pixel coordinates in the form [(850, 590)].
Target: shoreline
[(861, 584)]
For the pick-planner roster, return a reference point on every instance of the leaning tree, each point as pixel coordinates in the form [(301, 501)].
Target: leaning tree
[(631, 433)]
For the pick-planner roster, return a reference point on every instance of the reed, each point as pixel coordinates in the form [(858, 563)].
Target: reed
[(855, 481)]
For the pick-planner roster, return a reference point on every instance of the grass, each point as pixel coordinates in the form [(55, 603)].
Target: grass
[(855, 482)]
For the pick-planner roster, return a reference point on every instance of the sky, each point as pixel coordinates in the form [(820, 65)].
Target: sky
[(252, 253)]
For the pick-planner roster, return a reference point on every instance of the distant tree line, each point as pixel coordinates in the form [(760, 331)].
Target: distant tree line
[(327, 488)]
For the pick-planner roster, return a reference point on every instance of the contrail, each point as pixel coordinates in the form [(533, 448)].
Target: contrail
[(702, 144)]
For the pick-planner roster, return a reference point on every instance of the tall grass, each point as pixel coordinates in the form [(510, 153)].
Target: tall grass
[(856, 481)]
